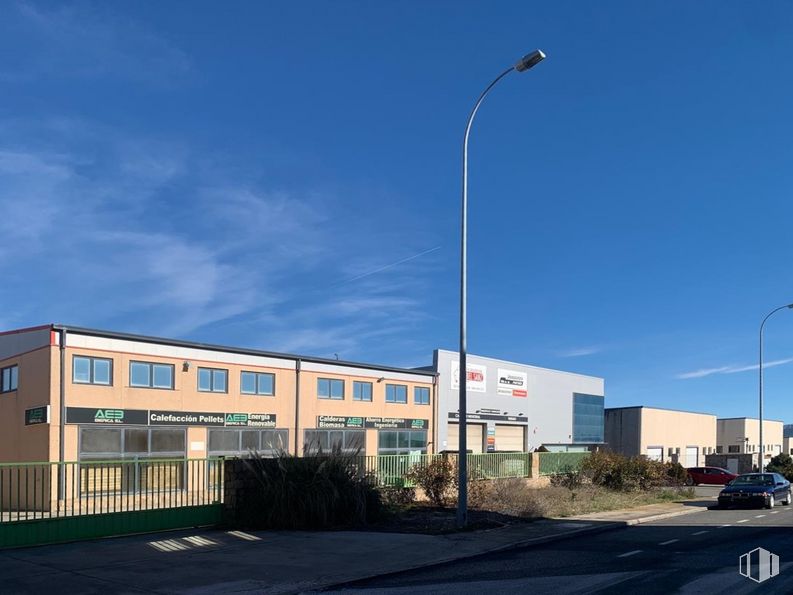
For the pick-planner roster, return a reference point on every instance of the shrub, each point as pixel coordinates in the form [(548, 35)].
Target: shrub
[(783, 464), (438, 479), (570, 478), (397, 496), (312, 492), (621, 473)]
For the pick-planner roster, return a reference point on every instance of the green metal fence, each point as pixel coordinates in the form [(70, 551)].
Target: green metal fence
[(51, 502), (552, 463)]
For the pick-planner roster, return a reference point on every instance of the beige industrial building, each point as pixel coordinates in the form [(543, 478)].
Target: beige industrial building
[(666, 435), (741, 435)]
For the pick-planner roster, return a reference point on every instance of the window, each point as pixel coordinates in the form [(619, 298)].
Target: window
[(733, 448), (240, 443), (9, 379), (719, 450), (401, 442), (147, 375), (330, 388), (92, 370), (361, 391), (587, 418), (131, 443), (421, 395), (396, 393), (212, 380), (348, 441), (257, 383)]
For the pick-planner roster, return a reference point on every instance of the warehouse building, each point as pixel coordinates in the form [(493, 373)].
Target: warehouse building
[(787, 439), (741, 435), (75, 394), (517, 407), (666, 435)]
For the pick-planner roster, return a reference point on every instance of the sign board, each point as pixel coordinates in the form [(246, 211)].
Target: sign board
[(339, 422), (491, 439), (92, 415), (476, 377), (37, 415), (512, 383), (141, 417), (380, 423), (490, 417)]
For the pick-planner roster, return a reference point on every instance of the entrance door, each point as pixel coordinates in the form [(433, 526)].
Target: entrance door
[(475, 435), (732, 466), (692, 453), (655, 453)]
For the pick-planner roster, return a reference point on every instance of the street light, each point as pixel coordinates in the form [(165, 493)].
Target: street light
[(525, 63), (762, 325)]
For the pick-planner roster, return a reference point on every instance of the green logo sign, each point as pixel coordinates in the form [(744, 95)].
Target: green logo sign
[(109, 415), (235, 419)]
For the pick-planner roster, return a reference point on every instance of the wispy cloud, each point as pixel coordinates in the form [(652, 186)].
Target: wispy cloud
[(580, 351), (389, 266), (704, 372)]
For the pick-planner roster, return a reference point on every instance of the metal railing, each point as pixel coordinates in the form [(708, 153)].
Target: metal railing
[(553, 463), (33, 491)]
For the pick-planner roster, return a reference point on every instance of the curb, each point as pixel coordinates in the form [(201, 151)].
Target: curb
[(605, 527)]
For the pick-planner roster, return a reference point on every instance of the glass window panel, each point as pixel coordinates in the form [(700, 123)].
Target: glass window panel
[(266, 384), (6, 378), (248, 383), (167, 441), (418, 440), (14, 377), (275, 439), (102, 369), (354, 440), (335, 439), (224, 441), (403, 439), (386, 439), (422, 395), (323, 388), (250, 440), (337, 389), (219, 381), (204, 379), (105, 440), (81, 371), (362, 391), (139, 374), (162, 376), (136, 441)]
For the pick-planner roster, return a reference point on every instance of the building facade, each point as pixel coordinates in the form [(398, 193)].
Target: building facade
[(787, 439), (665, 435), (741, 435), (73, 394), (517, 407)]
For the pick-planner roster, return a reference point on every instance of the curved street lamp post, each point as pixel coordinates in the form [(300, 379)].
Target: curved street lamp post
[(761, 455), (525, 63)]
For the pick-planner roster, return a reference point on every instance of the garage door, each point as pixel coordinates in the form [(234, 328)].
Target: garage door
[(655, 453), (509, 437), (475, 433), (691, 456)]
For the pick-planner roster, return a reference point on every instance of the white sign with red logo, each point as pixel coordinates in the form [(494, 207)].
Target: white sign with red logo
[(513, 383), (476, 377)]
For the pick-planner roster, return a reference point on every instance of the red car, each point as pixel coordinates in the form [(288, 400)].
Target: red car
[(708, 475)]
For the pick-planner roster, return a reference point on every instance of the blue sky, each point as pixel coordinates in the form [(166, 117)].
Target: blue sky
[(286, 176)]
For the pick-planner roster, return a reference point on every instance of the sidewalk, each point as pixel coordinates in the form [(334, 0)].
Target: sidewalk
[(212, 561)]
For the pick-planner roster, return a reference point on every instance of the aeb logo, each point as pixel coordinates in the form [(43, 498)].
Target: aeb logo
[(109, 415)]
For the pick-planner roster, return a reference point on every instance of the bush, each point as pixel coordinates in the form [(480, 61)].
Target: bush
[(621, 473), (397, 496), (569, 478), (782, 464), (438, 479), (312, 492)]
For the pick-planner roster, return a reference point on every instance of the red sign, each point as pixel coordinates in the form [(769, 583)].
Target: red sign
[(520, 393)]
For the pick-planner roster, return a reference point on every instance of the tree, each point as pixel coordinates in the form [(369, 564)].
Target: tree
[(783, 464)]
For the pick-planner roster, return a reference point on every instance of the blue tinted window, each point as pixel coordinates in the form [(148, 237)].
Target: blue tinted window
[(330, 388), (421, 395), (396, 393), (362, 391), (587, 418)]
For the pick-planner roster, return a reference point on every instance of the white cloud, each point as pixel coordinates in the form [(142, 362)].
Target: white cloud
[(732, 369), (580, 351)]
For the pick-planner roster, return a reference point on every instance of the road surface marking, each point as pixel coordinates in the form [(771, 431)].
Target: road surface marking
[(668, 542), (774, 511), (699, 533), (759, 516), (722, 526), (743, 521), (626, 554)]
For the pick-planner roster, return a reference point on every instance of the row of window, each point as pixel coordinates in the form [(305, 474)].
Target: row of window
[(94, 370), (9, 379)]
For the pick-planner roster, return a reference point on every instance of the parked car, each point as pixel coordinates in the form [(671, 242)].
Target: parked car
[(756, 489), (711, 475)]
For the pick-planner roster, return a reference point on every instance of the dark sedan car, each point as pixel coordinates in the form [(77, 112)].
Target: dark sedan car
[(756, 489), (709, 475)]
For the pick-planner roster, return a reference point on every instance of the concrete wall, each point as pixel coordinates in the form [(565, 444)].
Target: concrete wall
[(743, 433), (635, 430), (545, 410)]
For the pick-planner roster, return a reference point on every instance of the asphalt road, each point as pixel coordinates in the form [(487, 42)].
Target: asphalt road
[(695, 553)]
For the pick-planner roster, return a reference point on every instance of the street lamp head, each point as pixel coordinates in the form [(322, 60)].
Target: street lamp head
[(530, 60)]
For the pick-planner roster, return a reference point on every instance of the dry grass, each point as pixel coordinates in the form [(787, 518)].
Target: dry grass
[(512, 497)]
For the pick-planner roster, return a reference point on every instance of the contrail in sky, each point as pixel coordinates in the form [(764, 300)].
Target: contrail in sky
[(388, 266)]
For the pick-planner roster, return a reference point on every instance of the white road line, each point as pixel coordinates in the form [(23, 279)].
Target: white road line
[(774, 512), (759, 516), (743, 521), (626, 554), (700, 533), (668, 542)]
